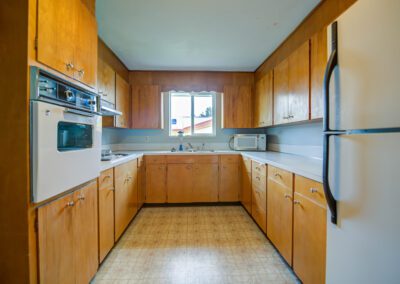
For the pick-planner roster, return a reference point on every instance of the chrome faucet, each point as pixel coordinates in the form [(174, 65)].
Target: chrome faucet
[(190, 147)]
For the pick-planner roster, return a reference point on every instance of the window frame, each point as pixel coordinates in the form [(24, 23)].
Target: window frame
[(192, 96)]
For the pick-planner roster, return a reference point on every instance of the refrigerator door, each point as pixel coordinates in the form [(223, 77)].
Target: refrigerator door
[(364, 247), (365, 87)]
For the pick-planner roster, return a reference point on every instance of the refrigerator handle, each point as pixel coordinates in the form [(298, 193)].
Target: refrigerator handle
[(332, 63)]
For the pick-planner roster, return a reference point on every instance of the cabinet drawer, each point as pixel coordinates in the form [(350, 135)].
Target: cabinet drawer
[(311, 189), (140, 162), (155, 159), (206, 159), (229, 159), (247, 164), (259, 168), (260, 197), (258, 179), (180, 159), (106, 179), (280, 176)]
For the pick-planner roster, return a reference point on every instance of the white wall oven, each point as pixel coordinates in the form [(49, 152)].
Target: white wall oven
[(65, 136)]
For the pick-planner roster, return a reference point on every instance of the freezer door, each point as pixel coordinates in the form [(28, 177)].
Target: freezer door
[(365, 87), (365, 247)]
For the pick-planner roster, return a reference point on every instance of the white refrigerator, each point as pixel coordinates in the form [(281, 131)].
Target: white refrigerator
[(362, 144)]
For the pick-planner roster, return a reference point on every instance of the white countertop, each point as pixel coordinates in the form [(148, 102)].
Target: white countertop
[(307, 167)]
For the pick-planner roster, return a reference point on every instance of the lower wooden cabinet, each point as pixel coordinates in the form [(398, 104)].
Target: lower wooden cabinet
[(68, 237), (246, 193), (156, 179), (141, 182), (125, 195), (309, 231), (179, 183), (280, 211), (259, 194), (205, 182), (229, 178), (106, 213)]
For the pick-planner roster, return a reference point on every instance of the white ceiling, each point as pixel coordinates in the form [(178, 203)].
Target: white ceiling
[(211, 35)]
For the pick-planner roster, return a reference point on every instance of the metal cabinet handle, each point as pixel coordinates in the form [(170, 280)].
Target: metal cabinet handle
[(313, 190), (69, 65), (81, 197), (278, 175), (287, 196), (81, 72), (70, 204), (106, 177), (296, 202)]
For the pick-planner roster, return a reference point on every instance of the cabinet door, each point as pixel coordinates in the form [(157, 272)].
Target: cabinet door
[(85, 233), (229, 182), (106, 213), (106, 81), (122, 102), (86, 46), (146, 107), (179, 183), (309, 240), (56, 241), (246, 195), (156, 191), (299, 83), (259, 204), (141, 182), (132, 189), (56, 34), (237, 107), (125, 201), (263, 101), (205, 183), (279, 218), (281, 92), (319, 58)]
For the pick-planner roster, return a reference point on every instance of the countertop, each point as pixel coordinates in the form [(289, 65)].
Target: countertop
[(307, 167)]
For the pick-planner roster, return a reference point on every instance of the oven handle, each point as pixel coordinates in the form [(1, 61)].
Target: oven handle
[(78, 112)]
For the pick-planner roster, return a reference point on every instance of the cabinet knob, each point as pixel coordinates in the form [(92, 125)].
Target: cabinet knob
[(81, 197), (296, 202), (287, 196), (313, 190), (70, 204), (69, 66)]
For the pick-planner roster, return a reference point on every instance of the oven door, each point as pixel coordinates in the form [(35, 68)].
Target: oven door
[(65, 149)]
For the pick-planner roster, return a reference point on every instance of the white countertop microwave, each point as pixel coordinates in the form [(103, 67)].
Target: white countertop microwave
[(249, 142)]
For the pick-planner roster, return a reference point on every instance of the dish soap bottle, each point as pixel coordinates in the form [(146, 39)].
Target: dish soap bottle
[(180, 135)]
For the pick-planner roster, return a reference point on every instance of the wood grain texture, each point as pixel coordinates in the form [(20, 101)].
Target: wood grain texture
[(229, 181), (309, 240), (205, 182), (179, 183), (320, 17), (281, 92), (141, 182), (310, 189), (17, 218), (106, 81), (319, 58), (106, 213), (122, 102), (156, 183), (263, 101), (299, 83), (147, 107), (246, 195), (196, 81), (259, 204), (236, 107), (111, 59)]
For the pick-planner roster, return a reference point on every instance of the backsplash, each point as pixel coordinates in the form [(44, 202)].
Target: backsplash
[(301, 139)]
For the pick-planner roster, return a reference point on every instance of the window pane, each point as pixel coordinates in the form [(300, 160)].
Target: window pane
[(203, 114), (180, 113)]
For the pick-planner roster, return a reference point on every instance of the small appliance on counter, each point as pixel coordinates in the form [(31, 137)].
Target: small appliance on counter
[(248, 142)]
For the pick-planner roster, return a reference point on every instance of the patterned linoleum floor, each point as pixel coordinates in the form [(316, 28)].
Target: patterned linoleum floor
[(213, 244)]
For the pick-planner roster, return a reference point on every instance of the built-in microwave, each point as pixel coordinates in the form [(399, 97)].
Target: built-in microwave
[(249, 142)]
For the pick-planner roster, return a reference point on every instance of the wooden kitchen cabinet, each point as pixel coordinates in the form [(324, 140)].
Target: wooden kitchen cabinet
[(67, 237), (86, 233), (237, 107), (246, 196), (141, 182), (106, 81), (106, 213), (309, 231), (229, 178), (259, 194), (156, 183), (319, 59), (205, 182), (263, 101), (67, 39), (291, 87), (179, 183), (125, 195), (280, 210), (122, 104), (146, 107)]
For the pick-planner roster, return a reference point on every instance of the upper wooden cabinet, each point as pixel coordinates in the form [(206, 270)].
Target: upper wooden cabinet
[(263, 101), (292, 88), (237, 107), (122, 104), (319, 58), (146, 107), (67, 39), (106, 81)]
